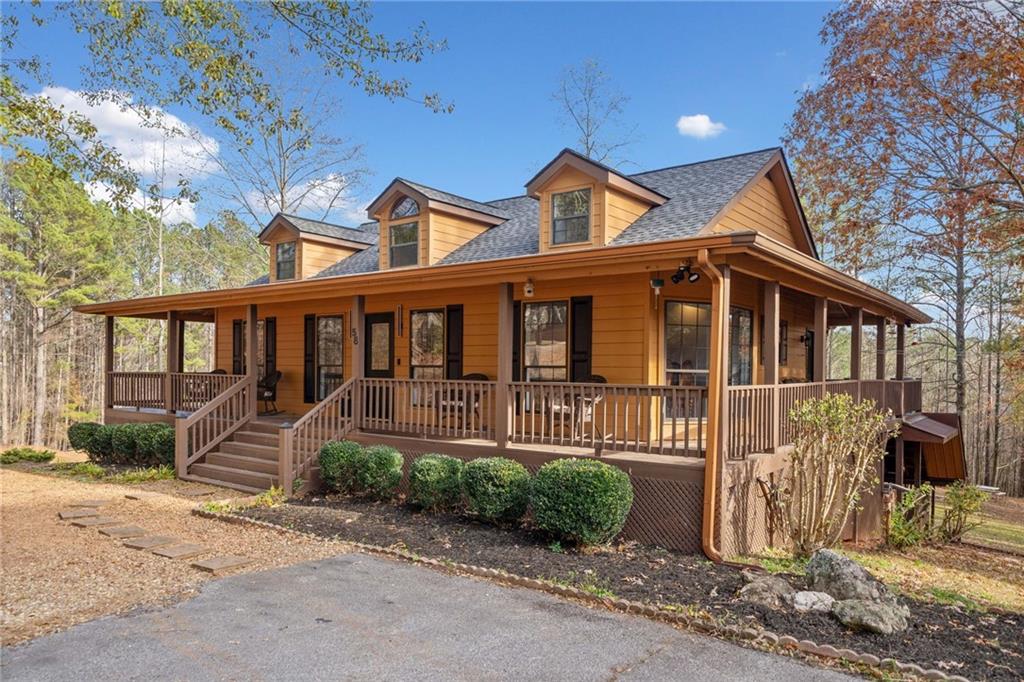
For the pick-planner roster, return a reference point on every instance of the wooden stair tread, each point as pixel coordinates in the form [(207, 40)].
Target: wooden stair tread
[(251, 479), (223, 484), (242, 462)]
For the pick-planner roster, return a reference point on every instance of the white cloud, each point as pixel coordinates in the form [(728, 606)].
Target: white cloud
[(329, 198), (699, 126), (174, 212), (182, 150)]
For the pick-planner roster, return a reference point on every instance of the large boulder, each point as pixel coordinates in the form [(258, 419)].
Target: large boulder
[(767, 590), (812, 602), (883, 618), (843, 578)]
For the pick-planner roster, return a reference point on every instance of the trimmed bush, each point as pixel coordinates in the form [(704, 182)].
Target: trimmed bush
[(496, 488), (154, 445), (380, 471), (581, 500), (340, 460), (26, 455), (80, 435), (147, 445), (434, 482), (124, 443), (101, 447)]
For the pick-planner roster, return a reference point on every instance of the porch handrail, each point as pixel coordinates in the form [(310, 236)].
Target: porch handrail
[(299, 443), (136, 389), (451, 408), (201, 431), (191, 390)]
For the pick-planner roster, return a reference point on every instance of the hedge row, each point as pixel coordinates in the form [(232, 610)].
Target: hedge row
[(576, 500), (137, 444)]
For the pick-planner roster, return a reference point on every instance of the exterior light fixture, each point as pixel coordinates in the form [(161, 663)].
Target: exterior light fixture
[(657, 283), (528, 289), (687, 273)]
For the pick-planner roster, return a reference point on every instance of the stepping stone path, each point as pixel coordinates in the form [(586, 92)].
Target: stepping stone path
[(151, 541), (182, 551), (124, 532), (95, 521), (77, 513), (141, 495), (91, 503), (219, 564)]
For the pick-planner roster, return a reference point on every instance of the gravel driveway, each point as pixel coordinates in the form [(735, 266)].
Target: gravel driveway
[(355, 617), (55, 575)]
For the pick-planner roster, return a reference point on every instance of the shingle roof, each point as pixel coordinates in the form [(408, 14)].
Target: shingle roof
[(455, 199), (352, 234), (696, 191)]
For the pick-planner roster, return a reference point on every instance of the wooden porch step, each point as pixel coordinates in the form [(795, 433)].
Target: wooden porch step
[(222, 484), (266, 452), (256, 438), (263, 427), (232, 461), (223, 475)]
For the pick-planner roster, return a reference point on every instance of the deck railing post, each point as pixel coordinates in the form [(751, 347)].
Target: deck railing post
[(180, 447), (503, 403), (880, 349), (285, 459), (856, 342), (358, 360), (108, 362), (172, 359), (771, 355), (901, 338)]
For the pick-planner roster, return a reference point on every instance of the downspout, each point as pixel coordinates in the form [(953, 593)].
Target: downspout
[(713, 455)]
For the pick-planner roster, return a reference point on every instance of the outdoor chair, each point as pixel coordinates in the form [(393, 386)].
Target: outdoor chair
[(266, 390), (455, 400)]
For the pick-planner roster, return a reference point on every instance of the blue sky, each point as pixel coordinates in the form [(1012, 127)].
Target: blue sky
[(742, 65)]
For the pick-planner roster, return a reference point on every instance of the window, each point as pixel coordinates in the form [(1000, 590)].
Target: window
[(426, 338), (404, 249), (688, 344), (404, 208), (330, 350), (570, 217), (545, 336), (285, 260)]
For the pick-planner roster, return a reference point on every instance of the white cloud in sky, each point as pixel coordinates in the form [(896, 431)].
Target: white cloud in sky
[(174, 212), (699, 125), (330, 197)]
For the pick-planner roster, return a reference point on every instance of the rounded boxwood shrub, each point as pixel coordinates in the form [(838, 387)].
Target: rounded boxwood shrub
[(434, 482), (380, 471), (154, 444), (340, 461), (101, 447), (581, 500), (124, 443), (80, 434), (496, 488)]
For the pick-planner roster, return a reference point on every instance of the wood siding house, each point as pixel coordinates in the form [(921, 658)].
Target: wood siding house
[(664, 321)]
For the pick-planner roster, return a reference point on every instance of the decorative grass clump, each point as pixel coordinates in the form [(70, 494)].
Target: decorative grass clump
[(496, 489), (434, 482), (581, 500), (340, 461), (26, 455)]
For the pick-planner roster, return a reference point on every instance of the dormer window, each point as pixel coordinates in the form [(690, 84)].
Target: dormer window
[(404, 208), (284, 258), (570, 217), (404, 244)]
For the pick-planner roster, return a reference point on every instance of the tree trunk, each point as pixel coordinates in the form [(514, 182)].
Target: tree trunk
[(39, 384)]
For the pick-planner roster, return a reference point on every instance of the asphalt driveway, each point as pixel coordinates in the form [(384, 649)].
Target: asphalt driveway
[(355, 617)]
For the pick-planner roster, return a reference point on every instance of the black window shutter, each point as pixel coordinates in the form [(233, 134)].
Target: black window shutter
[(309, 360), (237, 362), (517, 340), (582, 337), (453, 344), (270, 344)]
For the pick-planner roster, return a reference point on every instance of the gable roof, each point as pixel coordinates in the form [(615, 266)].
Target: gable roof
[(598, 171), (322, 229), (696, 193), (432, 195)]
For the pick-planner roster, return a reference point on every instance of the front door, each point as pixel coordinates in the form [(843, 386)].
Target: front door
[(379, 349)]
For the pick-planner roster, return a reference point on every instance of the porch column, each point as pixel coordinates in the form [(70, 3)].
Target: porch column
[(503, 404), (358, 325), (901, 339), (172, 360), (820, 338), (899, 460), (250, 356), (770, 343), (856, 341), (108, 362), (880, 350)]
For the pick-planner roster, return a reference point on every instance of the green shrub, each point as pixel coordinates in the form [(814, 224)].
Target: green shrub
[(380, 471), (157, 473), (581, 500), (154, 445), (100, 447), (26, 455), (910, 519), (963, 502), (340, 461), (80, 435), (496, 488), (124, 443), (434, 481)]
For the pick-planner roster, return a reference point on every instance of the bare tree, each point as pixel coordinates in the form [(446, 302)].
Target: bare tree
[(592, 108)]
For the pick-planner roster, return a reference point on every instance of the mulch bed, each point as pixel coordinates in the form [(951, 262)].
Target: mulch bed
[(959, 642)]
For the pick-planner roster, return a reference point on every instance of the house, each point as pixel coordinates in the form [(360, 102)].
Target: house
[(664, 321)]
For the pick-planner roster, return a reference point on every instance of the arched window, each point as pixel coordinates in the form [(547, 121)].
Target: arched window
[(404, 208)]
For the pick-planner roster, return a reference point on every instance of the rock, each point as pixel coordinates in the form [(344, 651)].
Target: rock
[(812, 602), (883, 618), (767, 590), (843, 578)]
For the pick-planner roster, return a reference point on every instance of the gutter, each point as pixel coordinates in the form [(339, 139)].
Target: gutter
[(713, 456)]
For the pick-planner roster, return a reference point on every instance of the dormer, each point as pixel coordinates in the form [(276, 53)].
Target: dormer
[(300, 248), (420, 225), (584, 203)]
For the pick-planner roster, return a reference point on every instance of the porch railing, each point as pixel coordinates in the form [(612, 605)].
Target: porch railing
[(201, 431), (639, 418), (448, 409), (300, 443), (136, 389), (191, 390)]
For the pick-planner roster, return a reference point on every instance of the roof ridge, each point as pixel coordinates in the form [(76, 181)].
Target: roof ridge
[(324, 222), (719, 158), (517, 196)]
